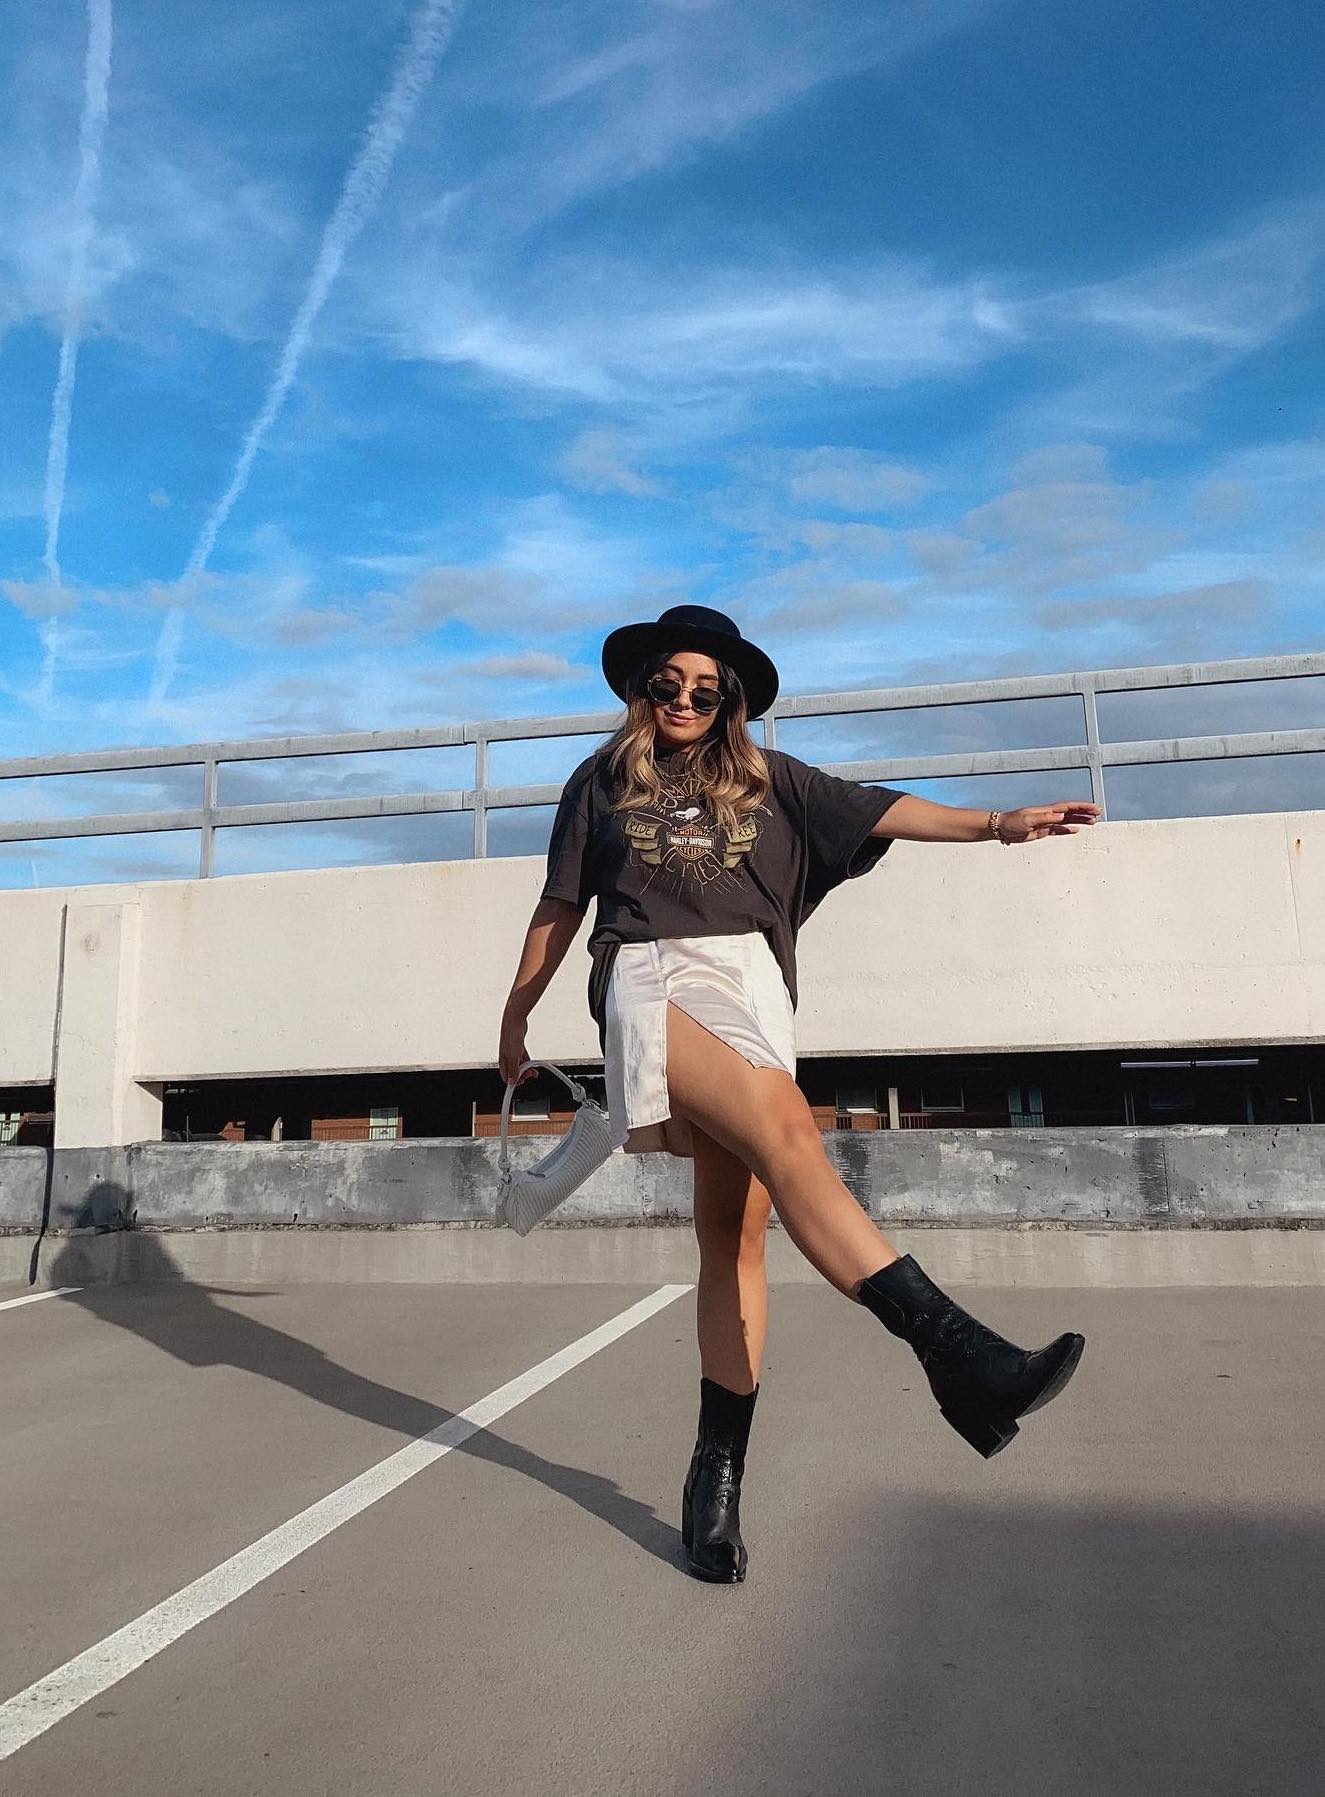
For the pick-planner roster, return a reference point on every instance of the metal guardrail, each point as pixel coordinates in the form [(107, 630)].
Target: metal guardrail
[(480, 797)]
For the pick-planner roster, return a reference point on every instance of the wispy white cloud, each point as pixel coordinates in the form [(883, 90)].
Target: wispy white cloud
[(853, 480), (91, 133), (1140, 350), (1063, 565), (1234, 292), (306, 624), (855, 541), (1229, 600), (430, 31), (1057, 534), (532, 664), (603, 460), (187, 234), (479, 597), (285, 646), (631, 336), (39, 598), (813, 599), (166, 660), (631, 94)]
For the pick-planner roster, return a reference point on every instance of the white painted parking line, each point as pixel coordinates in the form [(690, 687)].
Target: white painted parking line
[(36, 1297), (31, 1712)]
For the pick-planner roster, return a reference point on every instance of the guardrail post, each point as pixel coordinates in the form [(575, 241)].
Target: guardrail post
[(480, 795), (209, 784), (1094, 759)]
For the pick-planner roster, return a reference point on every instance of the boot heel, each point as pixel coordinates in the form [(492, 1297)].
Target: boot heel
[(987, 1433)]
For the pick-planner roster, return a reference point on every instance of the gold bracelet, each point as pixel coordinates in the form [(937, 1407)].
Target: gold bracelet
[(995, 818)]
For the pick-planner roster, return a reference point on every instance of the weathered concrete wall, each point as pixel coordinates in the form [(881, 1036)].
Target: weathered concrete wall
[(437, 1256), (1199, 931), (29, 981), (1130, 1177), (22, 1187)]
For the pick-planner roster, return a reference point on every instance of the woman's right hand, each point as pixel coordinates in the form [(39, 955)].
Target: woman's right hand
[(511, 1050)]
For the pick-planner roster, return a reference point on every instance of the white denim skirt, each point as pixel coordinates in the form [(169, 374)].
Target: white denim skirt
[(730, 984)]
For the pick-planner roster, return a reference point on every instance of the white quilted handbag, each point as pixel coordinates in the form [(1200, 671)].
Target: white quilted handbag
[(525, 1195)]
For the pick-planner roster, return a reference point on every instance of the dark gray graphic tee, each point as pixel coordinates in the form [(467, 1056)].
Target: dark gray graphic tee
[(672, 871)]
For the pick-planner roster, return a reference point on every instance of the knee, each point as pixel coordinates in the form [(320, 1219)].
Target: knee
[(788, 1142), (734, 1239), (722, 1250)]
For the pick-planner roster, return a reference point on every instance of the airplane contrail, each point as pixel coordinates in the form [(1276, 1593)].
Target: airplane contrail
[(91, 135), (431, 31)]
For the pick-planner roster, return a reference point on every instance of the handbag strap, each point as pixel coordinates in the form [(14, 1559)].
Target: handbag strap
[(577, 1091)]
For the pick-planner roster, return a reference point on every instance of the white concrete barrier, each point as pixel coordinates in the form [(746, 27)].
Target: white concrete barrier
[(1189, 931)]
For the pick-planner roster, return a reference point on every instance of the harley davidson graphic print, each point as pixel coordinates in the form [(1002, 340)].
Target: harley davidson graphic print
[(682, 841), (672, 871)]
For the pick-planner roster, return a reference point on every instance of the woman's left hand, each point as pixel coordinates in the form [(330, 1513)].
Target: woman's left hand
[(1032, 822)]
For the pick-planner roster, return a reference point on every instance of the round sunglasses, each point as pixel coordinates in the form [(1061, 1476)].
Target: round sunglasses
[(663, 689)]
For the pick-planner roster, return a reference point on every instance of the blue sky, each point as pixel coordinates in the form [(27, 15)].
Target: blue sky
[(930, 340)]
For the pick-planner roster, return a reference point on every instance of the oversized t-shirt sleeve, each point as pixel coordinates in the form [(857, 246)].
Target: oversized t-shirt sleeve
[(838, 816), (568, 874)]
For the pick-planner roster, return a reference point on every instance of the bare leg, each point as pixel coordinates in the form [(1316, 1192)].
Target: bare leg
[(731, 1217), (984, 1385), (759, 1114), (823, 1219)]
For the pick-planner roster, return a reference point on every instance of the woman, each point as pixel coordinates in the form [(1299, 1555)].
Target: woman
[(705, 855)]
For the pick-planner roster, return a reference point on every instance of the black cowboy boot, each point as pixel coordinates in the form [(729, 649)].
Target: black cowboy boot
[(982, 1382), (711, 1498)]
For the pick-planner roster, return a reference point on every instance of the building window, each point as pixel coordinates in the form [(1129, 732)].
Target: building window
[(939, 1094), (1173, 1097), (1025, 1107), (384, 1123), (857, 1098), (530, 1105)]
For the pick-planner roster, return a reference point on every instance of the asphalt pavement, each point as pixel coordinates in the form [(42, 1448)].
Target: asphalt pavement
[(229, 1567)]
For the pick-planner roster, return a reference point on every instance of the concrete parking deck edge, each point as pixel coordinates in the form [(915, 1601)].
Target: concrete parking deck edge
[(1101, 1258)]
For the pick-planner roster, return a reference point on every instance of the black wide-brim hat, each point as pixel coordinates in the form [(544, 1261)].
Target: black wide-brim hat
[(691, 627)]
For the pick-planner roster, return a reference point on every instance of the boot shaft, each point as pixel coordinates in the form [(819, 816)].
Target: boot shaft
[(724, 1424), (905, 1299)]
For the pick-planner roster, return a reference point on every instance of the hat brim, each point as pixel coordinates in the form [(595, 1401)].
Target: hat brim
[(629, 645)]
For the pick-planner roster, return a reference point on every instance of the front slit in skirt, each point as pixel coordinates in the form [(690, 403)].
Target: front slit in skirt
[(732, 985)]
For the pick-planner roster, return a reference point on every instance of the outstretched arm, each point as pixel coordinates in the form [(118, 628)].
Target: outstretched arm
[(913, 819)]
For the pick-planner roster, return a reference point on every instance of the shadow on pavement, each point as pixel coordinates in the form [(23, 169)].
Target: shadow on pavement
[(1008, 1645), (194, 1329)]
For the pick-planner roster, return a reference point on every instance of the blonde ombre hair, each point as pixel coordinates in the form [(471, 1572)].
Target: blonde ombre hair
[(731, 766)]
